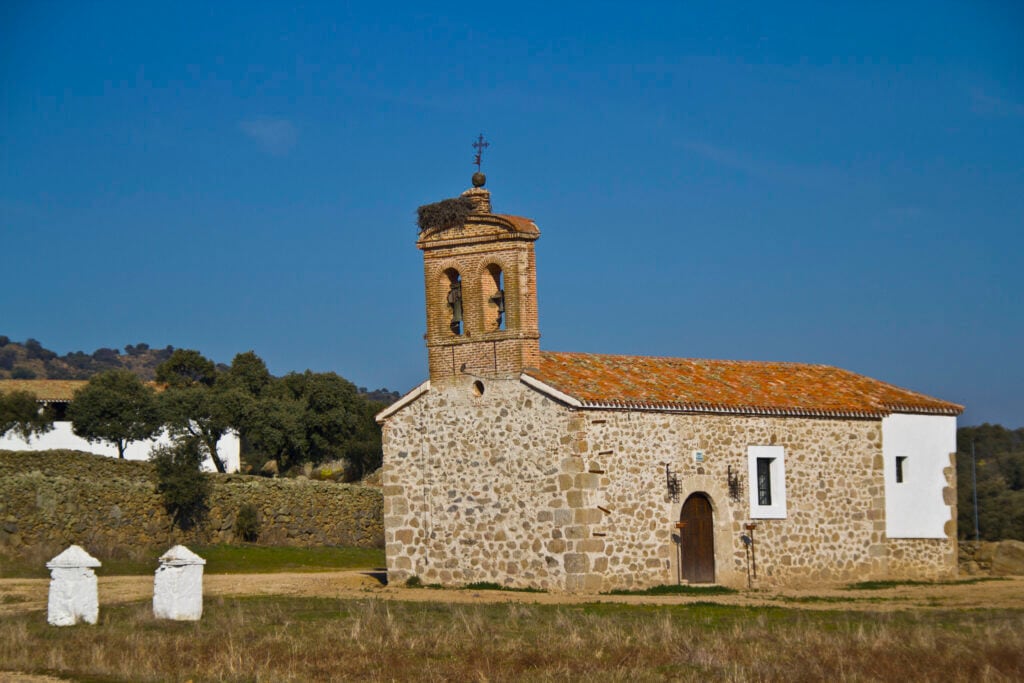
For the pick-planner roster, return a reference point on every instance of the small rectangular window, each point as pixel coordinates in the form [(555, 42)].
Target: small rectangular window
[(766, 473), (899, 468), (764, 481)]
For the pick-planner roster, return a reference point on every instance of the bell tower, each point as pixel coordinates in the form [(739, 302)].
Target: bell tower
[(481, 288)]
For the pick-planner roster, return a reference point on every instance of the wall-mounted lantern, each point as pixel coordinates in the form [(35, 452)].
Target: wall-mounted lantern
[(672, 483), (735, 485)]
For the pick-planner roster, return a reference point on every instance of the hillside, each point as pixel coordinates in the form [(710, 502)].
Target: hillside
[(31, 360)]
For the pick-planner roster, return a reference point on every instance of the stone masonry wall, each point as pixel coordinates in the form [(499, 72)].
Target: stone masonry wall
[(834, 528), (515, 488), (463, 477), (49, 500)]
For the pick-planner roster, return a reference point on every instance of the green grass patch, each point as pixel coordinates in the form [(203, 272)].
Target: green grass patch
[(880, 585), (221, 559), (11, 599), (812, 599), (683, 589), (492, 586), (417, 582)]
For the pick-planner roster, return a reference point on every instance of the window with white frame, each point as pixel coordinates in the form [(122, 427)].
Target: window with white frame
[(766, 468)]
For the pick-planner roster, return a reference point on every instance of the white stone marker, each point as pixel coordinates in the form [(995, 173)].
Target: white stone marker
[(73, 596), (178, 586)]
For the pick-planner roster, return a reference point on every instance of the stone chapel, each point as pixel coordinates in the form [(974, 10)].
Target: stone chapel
[(586, 473)]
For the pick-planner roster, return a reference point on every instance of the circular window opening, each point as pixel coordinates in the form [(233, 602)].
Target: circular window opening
[(478, 388)]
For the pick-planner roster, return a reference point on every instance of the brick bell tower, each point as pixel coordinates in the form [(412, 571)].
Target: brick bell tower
[(481, 289)]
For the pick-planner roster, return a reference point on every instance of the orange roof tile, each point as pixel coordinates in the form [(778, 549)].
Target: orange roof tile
[(724, 386), (520, 223)]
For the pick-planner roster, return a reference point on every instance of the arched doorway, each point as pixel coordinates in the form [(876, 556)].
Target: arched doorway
[(698, 540)]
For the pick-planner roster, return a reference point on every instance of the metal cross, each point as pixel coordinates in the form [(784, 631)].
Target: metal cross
[(480, 145)]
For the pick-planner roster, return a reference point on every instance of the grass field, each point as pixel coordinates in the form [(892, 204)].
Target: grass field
[(290, 638), (315, 639), (220, 559)]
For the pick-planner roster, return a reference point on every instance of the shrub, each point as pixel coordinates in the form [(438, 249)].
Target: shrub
[(363, 457), (492, 586), (106, 356), (342, 469), (35, 350), (136, 349), (21, 372), (247, 523), (184, 488)]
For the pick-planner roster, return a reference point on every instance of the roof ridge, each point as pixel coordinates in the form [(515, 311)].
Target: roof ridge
[(694, 359)]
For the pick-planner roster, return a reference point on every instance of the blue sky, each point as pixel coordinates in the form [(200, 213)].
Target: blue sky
[(836, 183)]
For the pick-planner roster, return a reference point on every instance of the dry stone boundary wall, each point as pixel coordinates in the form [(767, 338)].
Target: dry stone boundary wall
[(999, 558), (49, 500)]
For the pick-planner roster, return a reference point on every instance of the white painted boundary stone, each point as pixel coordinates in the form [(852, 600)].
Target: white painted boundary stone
[(178, 585), (73, 595)]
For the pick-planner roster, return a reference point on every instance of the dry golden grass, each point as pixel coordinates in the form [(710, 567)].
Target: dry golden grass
[(309, 639)]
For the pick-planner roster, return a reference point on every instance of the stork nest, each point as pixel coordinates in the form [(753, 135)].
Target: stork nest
[(447, 213)]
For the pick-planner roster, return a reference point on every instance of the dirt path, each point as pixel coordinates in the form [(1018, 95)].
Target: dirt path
[(20, 595)]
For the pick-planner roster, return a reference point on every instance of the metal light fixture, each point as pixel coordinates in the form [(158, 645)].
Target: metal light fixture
[(672, 483)]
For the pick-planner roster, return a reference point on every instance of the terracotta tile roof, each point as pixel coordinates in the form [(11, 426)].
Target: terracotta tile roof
[(44, 389), (519, 223), (724, 386)]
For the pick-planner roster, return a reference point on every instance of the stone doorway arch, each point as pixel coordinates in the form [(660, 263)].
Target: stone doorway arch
[(697, 539)]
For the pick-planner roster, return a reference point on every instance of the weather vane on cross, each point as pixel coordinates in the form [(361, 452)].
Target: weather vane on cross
[(480, 145)]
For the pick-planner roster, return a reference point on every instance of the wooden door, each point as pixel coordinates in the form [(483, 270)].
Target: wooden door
[(698, 540)]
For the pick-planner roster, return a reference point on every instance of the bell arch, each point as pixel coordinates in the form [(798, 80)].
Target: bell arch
[(493, 298), (453, 301)]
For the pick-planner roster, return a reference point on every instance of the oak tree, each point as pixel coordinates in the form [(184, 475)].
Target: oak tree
[(116, 407), (192, 405), (21, 413)]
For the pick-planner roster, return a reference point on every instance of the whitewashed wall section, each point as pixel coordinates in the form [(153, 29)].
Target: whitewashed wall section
[(916, 507), (61, 437)]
